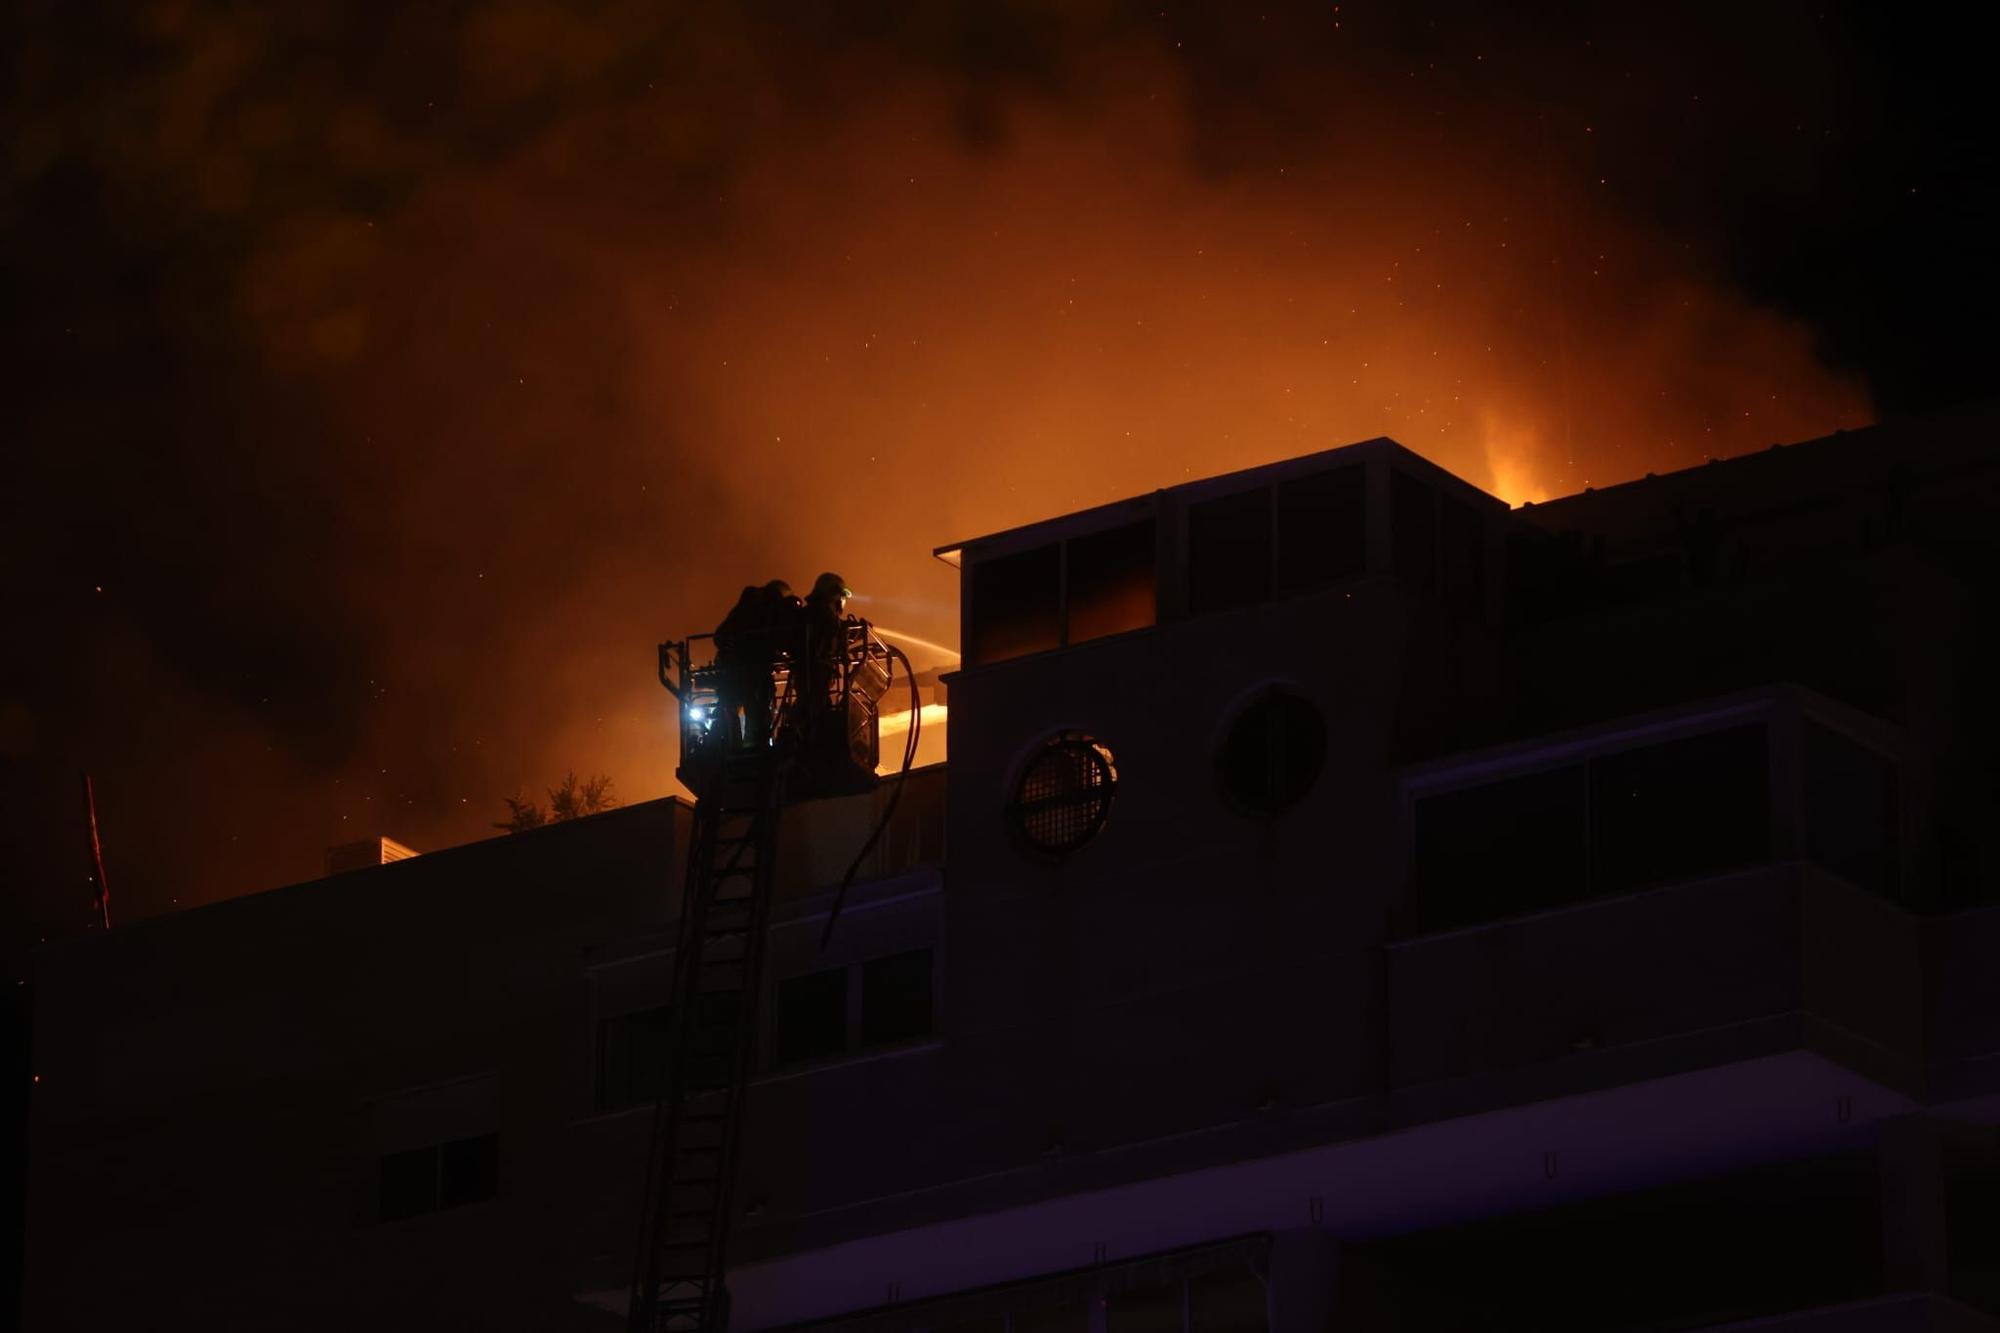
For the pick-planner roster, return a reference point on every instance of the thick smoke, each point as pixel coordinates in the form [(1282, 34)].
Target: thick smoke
[(420, 401)]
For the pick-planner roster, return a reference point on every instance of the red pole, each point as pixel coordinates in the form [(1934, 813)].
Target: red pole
[(102, 899)]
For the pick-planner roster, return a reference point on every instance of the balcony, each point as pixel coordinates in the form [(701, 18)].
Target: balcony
[(1659, 894), (1730, 968)]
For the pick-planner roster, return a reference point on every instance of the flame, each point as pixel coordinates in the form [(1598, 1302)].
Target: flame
[(867, 337), (1511, 451)]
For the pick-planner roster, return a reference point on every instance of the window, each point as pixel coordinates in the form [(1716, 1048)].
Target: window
[(632, 1052), (409, 1183), (443, 1175), (1155, 1309), (896, 998), (1413, 530), (1852, 811), (1229, 551), (1500, 850), (1305, 533), (468, 1170), (812, 1016), (1273, 753), (1016, 607), (1065, 794), (1619, 822), (1322, 529), (1111, 582), (1228, 1300), (1073, 1317), (1681, 809), (1462, 555), (1090, 586), (881, 1002)]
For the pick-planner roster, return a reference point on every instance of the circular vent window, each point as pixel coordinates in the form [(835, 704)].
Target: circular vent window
[(1273, 754), (1065, 794)]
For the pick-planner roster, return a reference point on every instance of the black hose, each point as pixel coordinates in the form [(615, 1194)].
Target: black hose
[(888, 807)]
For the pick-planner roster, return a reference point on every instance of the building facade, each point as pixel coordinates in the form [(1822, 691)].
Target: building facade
[(1348, 904)]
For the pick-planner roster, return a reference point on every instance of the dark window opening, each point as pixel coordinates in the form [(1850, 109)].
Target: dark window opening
[(896, 998), (1641, 579), (1273, 753), (1015, 608), (1547, 578), (1322, 529), (1852, 811), (1229, 551), (409, 1184), (1504, 849), (443, 1175), (632, 1054), (468, 1170), (993, 1323), (1229, 1300), (1759, 1243), (1112, 582), (1065, 794), (1155, 1309), (1677, 810), (1413, 530), (812, 1016), (1681, 809), (1462, 551), (895, 1004), (1069, 1318)]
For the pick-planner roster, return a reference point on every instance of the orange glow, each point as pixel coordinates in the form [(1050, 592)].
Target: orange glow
[(895, 724), (872, 337), (931, 742), (1510, 451)]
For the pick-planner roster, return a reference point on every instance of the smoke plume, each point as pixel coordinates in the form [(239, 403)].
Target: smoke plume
[(400, 390)]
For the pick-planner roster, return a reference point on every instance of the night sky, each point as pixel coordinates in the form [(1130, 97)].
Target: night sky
[(383, 384)]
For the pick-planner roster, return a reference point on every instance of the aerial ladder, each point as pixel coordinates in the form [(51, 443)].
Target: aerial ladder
[(815, 734)]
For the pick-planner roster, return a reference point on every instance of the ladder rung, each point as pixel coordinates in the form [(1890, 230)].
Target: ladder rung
[(729, 883)]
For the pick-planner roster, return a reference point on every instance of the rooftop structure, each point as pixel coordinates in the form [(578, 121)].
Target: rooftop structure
[(1348, 904)]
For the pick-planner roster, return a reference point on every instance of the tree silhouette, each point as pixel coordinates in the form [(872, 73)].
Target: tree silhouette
[(572, 800)]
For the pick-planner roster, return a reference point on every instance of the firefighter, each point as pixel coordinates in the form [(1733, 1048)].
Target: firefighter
[(825, 618), (757, 629), (826, 605)]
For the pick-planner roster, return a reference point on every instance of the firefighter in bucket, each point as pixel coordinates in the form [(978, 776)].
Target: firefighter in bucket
[(765, 624)]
